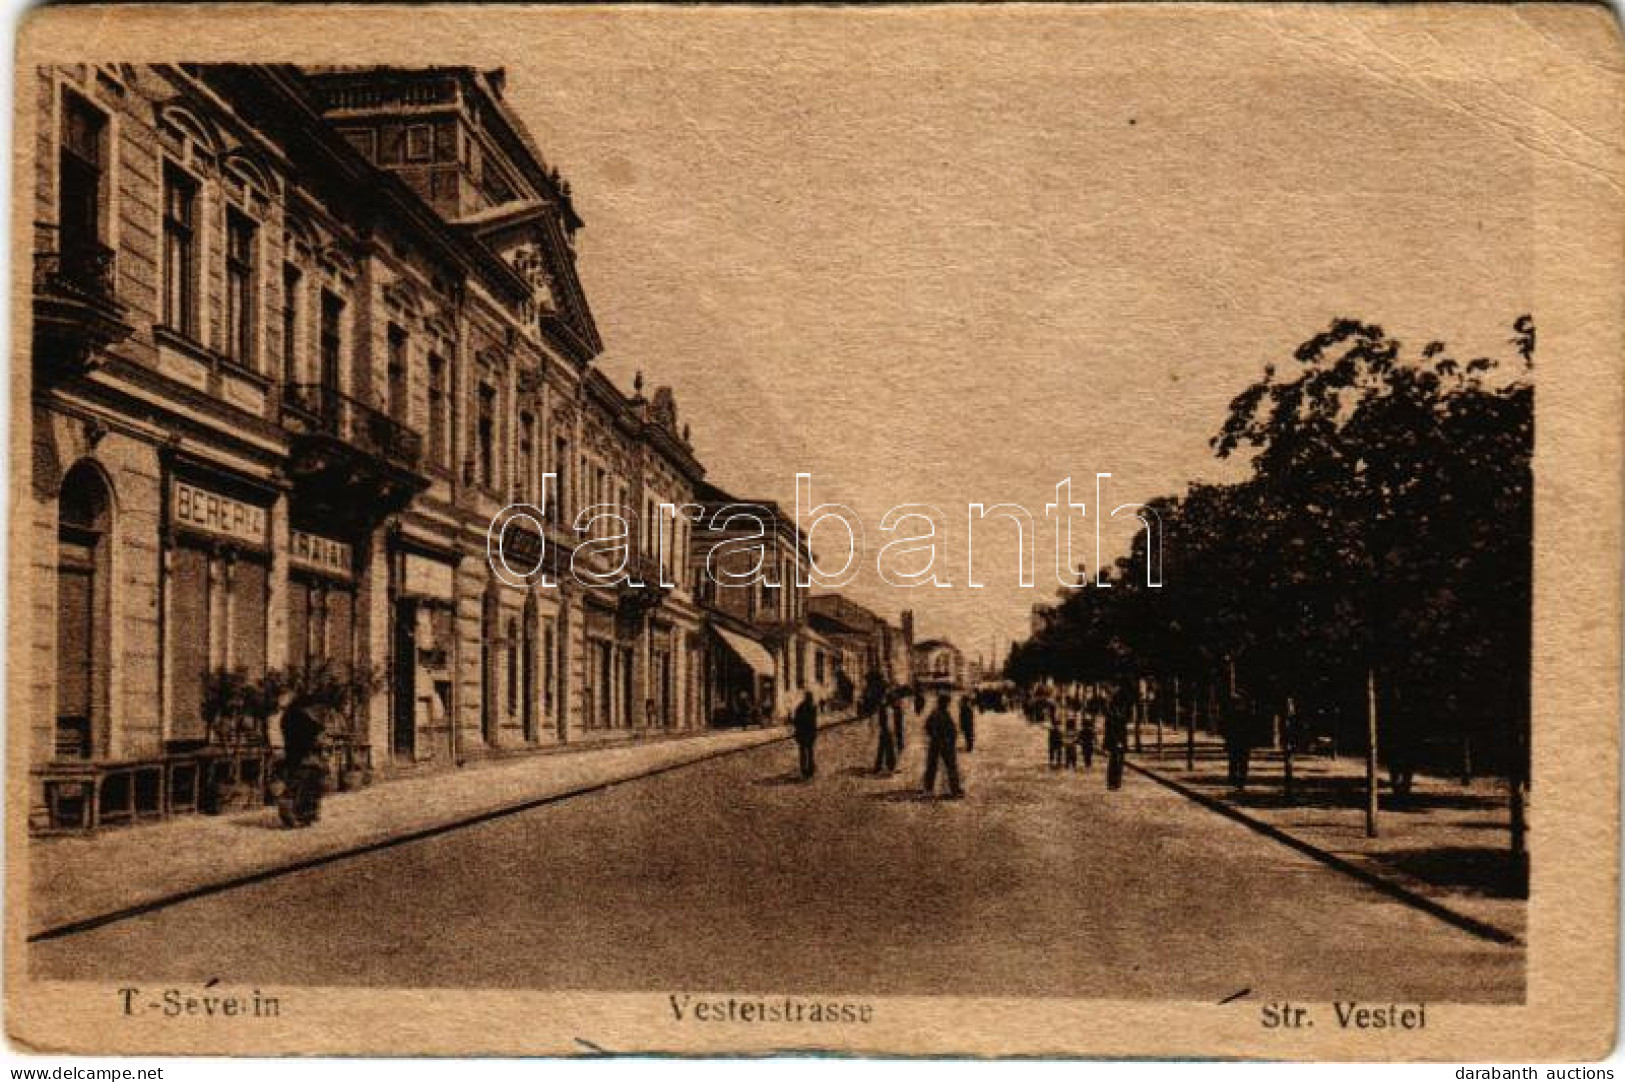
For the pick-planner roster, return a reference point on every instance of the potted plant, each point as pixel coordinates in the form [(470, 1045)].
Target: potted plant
[(236, 710), (339, 692)]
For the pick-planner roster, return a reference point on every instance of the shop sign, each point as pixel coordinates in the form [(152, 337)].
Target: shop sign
[(316, 553), (218, 516)]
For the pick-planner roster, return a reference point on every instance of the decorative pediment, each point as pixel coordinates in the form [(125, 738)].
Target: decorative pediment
[(299, 237), (336, 260), (436, 322), (193, 133), (253, 180), (492, 358), (403, 296)]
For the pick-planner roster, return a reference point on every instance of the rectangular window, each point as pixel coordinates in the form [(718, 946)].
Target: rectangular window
[(248, 617), (524, 485), (559, 508), (547, 668), (240, 321), (513, 669), (437, 410), (485, 436), (189, 646), (419, 143), (79, 180), (180, 252), (331, 338), (363, 140), (397, 373), (301, 623), (290, 323)]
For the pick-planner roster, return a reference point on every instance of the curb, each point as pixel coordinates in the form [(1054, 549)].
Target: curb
[(261, 875), (1390, 887)]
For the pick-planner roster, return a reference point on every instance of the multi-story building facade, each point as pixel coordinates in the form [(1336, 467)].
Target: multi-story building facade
[(863, 641), (299, 335), (749, 557)]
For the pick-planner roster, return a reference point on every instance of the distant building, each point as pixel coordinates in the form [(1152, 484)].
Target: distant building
[(938, 663), (864, 641)]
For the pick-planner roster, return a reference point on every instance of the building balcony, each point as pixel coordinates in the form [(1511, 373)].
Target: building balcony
[(349, 460), (648, 593), (77, 314)]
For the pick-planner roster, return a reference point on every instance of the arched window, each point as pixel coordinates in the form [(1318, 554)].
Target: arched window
[(84, 518)]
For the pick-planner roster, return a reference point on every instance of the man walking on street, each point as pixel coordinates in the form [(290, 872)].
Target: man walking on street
[(939, 731), (886, 752), (967, 722), (1117, 712), (897, 720), (805, 723)]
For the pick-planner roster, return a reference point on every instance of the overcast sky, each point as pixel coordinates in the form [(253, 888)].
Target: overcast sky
[(945, 258)]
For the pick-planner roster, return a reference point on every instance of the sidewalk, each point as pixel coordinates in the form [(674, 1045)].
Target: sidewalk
[(80, 879), (1445, 850)]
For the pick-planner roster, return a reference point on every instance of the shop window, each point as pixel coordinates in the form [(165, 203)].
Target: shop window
[(218, 621), (321, 616), (189, 641)]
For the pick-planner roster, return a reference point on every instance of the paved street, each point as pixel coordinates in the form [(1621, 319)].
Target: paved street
[(733, 875)]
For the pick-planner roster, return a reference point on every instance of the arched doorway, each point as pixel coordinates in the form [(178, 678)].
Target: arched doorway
[(84, 518)]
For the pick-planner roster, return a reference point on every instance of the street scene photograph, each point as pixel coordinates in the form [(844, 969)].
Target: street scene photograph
[(777, 518)]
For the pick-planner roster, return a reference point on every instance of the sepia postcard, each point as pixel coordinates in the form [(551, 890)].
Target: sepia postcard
[(965, 530)]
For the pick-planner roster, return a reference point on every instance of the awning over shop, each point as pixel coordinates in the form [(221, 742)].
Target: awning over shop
[(751, 652)]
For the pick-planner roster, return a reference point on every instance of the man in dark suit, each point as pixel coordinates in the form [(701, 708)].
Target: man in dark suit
[(939, 731), (805, 723), (886, 752)]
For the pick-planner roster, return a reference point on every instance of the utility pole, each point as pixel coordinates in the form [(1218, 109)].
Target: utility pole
[(1371, 753), (1162, 707), (1190, 726)]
